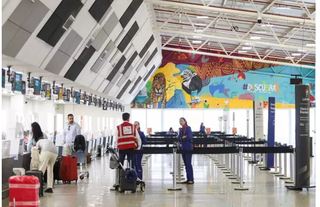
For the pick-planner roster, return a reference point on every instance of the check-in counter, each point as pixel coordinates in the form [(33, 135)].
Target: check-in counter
[(7, 171)]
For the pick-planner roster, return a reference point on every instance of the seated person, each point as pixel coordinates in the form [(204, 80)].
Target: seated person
[(171, 132)]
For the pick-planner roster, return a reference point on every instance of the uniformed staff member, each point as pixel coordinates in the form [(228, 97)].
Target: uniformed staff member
[(185, 138), (138, 157), (127, 139), (202, 128)]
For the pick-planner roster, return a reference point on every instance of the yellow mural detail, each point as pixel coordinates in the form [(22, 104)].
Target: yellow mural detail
[(172, 82)]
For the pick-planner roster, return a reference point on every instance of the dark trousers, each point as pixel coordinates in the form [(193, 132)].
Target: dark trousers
[(130, 157), (138, 165), (187, 159)]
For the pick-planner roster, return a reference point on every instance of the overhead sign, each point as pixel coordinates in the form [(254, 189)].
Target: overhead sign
[(258, 120), (271, 126)]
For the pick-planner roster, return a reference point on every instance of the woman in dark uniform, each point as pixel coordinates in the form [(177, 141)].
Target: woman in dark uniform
[(138, 157), (185, 138)]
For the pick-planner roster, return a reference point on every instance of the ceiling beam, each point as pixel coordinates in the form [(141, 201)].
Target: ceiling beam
[(231, 11), (276, 74), (214, 37), (237, 57)]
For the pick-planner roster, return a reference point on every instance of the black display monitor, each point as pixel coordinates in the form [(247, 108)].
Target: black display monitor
[(23, 87), (99, 102), (95, 101), (89, 100), (68, 95), (78, 97), (48, 91)]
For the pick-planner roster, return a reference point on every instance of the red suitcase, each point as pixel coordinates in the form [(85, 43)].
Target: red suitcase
[(24, 191), (68, 169)]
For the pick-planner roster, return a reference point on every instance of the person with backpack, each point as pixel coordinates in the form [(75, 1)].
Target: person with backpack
[(138, 157)]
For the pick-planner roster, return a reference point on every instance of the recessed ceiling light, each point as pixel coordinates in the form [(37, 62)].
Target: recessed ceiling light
[(196, 41), (255, 38), (296, 54), (246, 48), (310, 45), (200, 24), (242, 51), (202, 17)]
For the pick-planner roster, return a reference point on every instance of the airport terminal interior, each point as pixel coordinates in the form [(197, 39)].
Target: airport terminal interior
[(175, 103)]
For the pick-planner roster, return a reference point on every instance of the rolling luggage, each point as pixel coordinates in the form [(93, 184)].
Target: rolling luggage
[(24, 191), (68, 170), (88, 157), (56, 169), (124, 184), (39, 175)]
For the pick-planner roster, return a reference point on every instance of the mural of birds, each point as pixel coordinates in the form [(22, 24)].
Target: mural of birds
[(191, 82), (220, 88)]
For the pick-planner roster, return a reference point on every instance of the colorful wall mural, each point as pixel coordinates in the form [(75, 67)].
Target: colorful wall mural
[(181, 86)]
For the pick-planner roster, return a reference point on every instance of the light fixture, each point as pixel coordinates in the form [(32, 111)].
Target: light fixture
[(200, 24), (242, 51), (310, 45), (283, 8), (255, 38), (202, 17), (289, 57), (196, 41), (296, 54), (246, 48), (196, 36), (261, 32), (198, 30), (249, 43), (266, 25), (302, 50)]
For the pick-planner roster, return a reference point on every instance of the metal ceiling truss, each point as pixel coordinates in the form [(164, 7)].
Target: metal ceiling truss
[(218, 31)]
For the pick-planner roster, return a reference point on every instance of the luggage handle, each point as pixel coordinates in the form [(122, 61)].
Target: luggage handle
[(14, 202)]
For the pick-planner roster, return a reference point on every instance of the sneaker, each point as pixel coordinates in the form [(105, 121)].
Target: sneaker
[(49, 190)]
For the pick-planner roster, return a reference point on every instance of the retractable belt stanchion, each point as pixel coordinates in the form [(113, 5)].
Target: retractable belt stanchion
[(179, 169), (285, 177), (265, 160), (241, 187), (280, 165), (292, 165), (233, 166), (275, 162), (174, 187)]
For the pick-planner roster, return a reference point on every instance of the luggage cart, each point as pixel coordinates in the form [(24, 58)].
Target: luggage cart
[(115, 163), (82, 158)]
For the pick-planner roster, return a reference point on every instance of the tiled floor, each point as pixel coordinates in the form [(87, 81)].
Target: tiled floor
[(211, 188)]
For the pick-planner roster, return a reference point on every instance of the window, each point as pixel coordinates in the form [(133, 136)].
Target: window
[(171, 119), (194, 118), (140, 116), (154, 120)]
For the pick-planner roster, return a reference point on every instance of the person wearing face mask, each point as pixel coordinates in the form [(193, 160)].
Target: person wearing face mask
[(185, 138), (138, 157)]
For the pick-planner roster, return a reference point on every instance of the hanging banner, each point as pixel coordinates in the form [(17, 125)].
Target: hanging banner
[(302, 175), (258, 120), (271, 126)]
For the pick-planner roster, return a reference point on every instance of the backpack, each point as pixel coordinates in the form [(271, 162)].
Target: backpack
[(79, 143)]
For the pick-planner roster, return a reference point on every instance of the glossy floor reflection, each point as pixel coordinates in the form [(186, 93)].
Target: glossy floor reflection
[(211, 188)]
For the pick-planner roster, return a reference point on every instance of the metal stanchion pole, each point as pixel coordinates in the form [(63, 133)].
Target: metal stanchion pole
[(285, 177), (292, 163), (280, 166), (233, 166), (275, 164), (174, 187), (241, 187)]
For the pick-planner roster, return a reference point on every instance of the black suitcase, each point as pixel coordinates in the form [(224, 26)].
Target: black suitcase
[(39, 175), (56, 169), (124, 184)]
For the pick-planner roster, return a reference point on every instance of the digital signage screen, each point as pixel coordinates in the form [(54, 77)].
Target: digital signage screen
[(3, 78), (37, 86), (78, 97), (23, 87), (17, 81), (48, 91)]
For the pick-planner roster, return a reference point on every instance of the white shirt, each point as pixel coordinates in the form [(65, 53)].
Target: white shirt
[(46, 146), (70, 132), (137, 137)]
